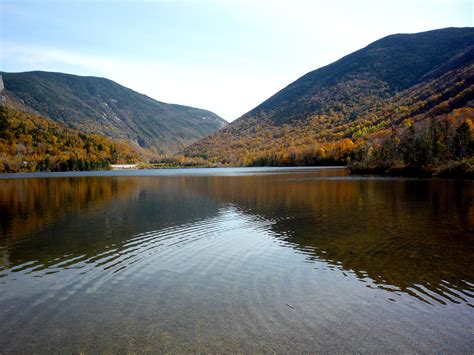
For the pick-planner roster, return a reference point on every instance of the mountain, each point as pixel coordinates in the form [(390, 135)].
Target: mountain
[(101, 106), (331, 113), (385, 67)]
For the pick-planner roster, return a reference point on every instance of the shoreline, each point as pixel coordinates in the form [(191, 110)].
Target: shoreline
[(407, 172), (189, 170), (414, 172)]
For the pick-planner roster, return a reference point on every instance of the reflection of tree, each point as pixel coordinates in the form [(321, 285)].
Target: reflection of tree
[(32, 204), (412, 234), (47, 219), (415, 235), (4, 260)]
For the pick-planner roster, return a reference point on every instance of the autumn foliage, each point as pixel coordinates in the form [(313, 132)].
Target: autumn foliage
[(356, 128), (32, 143)]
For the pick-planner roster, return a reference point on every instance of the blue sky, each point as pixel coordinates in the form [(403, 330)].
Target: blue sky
[(226, 56)]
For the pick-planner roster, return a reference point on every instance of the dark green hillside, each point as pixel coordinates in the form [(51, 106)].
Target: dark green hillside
[(101, 106)]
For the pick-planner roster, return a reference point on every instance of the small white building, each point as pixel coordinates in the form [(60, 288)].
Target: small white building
[(123, 166)]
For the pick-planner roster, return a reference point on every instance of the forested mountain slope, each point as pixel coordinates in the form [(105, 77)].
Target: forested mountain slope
[(349, 107), (29, 142), (101, 106)]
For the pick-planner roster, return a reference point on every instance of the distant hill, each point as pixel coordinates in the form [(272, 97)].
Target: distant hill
[(101, 106), (329, 114)]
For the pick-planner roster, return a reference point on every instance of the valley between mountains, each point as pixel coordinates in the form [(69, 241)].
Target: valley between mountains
[(402, 105)]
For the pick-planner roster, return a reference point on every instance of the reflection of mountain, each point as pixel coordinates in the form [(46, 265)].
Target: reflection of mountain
[(411, 234), (408, 235), (31, 205), (45, 219)]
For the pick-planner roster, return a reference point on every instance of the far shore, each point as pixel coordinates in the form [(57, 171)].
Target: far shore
[(354, 170)]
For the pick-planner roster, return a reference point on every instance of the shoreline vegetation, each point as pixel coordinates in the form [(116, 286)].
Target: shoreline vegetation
[(442, 146), (463, 169)]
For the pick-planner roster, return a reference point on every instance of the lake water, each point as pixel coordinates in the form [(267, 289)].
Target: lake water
[(235, 260)]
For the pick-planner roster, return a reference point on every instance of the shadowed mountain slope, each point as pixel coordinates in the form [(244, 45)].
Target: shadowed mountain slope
[(101, 106)]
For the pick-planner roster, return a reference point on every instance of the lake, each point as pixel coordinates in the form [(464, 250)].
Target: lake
[(235, 260)]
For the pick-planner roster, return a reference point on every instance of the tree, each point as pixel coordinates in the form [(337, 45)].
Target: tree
[(462, 140)]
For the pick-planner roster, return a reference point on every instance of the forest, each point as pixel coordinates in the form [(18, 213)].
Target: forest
[(427, 128), (29, 142), (439, 146)]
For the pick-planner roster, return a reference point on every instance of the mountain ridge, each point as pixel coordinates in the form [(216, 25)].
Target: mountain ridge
[(102, 106), (328, 114), (324, 76)]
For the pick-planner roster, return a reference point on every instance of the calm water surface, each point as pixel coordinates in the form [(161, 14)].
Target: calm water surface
[(235, 260)]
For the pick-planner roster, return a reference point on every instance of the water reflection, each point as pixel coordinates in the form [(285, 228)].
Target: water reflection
[(49, 221), (212, 262), (414, 236), (409, 236)]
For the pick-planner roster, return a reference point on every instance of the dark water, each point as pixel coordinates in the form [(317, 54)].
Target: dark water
[(236, 260)]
